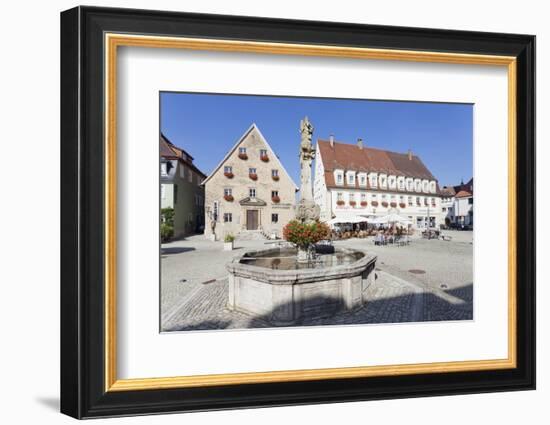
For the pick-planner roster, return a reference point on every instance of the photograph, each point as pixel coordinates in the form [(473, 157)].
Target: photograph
[(280, 211)]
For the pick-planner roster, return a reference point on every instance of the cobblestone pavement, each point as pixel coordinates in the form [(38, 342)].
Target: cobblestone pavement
[(194, 284)]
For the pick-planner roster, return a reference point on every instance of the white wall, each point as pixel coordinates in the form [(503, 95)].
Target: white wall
[(29, 315)]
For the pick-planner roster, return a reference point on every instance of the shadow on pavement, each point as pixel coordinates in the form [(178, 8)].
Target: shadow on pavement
[(397, 309), (175, 250)]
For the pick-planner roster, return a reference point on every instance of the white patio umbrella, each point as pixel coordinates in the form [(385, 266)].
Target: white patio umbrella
[(393, 218), (352, 219)]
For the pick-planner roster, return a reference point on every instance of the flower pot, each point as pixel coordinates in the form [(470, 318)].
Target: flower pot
[(228, 246), (228, 198), (243, 156), (364, 203), (253, 176), (275, 178), (264, 158), (276, 199), (228, 175)]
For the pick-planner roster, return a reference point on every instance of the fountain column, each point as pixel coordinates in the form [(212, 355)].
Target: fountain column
[(307, 211)]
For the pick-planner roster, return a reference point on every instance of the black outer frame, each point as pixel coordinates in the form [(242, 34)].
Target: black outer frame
[(82, 206)]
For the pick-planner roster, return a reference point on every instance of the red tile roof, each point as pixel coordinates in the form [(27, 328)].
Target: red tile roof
[(448, 191), (350, 157), (346, 156), (463, 194)]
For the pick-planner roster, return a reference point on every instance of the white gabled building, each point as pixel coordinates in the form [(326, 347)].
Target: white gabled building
[(352, 179), (458, 204)]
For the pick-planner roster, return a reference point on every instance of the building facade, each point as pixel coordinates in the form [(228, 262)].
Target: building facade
[(352, 179), (249, 191), (181, 189), (458, 205)]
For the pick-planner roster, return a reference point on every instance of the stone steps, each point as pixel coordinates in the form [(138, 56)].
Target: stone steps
[(251, 235)]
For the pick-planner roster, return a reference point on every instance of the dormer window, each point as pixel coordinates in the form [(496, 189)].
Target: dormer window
[(362, 180), (339, 177), (163, 168), (351, 178), (373, 181)]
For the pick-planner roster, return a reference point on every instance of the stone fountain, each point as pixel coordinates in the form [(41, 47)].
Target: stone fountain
[(284, 285)]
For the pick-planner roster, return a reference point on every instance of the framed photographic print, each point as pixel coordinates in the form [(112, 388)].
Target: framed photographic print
[(261, 212)]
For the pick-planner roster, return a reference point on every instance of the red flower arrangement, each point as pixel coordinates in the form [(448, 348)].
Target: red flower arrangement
[(364, 203), (243, 156), (276, 199), (340, 202), (374, 203), (384, 204), (275, 178), (229, 175), (402, 205), (264, 158), (352, 203), (304, 235), (393, 204), (253, 176), (228, 198)]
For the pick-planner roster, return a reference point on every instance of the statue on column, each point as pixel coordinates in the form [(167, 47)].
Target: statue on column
[(306, 210)]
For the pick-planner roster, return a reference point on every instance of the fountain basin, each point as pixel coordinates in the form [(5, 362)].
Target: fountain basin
[(272, 285)]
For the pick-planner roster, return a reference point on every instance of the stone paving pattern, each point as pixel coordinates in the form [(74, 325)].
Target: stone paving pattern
[(194, 284)]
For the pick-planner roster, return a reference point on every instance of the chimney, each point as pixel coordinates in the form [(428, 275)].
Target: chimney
[(360, 143), (331, 139), (410, 155)]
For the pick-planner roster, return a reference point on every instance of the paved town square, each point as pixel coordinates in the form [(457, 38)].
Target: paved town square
[(427, 280), (344, 219)]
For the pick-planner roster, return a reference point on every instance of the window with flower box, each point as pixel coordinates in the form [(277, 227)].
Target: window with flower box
[(228, 171), (275, 196), (242, 153), (252, 174), (263, 155), (228, 194), (275, 175)]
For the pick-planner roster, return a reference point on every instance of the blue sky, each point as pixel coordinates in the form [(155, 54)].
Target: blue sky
[(208, 125)]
